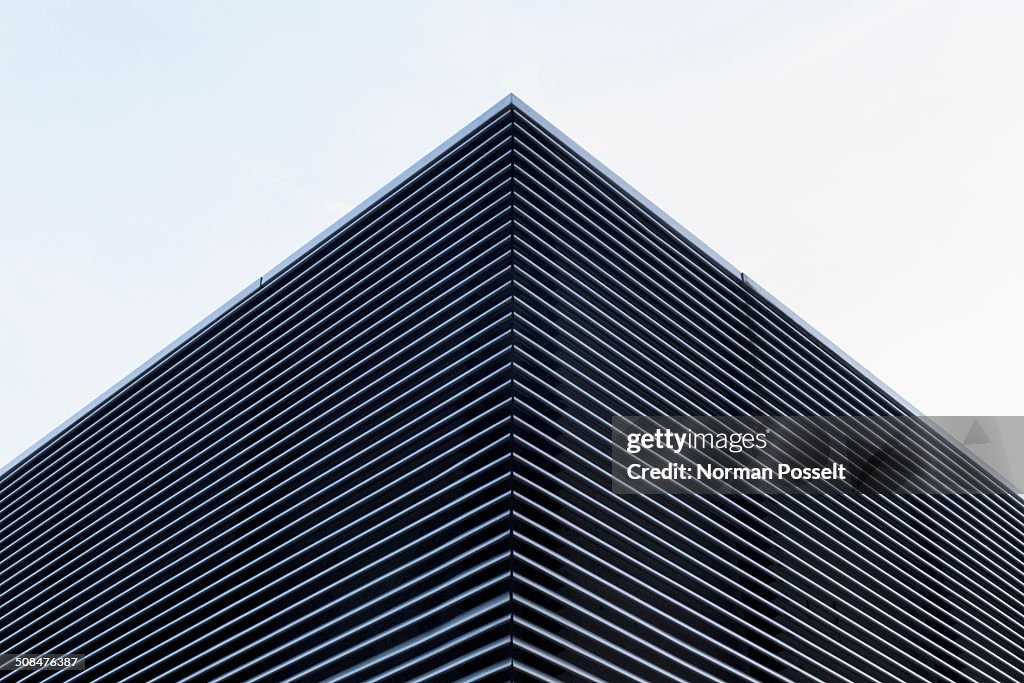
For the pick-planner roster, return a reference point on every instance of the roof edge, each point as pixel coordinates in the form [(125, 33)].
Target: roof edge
[(628, 189), (134, 374), (437, 152), (829, 344), (708, 251)]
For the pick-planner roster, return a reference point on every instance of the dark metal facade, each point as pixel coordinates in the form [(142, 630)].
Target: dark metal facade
[(391, 462)]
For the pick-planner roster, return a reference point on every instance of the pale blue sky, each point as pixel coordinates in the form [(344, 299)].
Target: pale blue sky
[(862, 161)]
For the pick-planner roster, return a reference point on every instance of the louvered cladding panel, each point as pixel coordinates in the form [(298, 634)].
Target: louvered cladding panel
[(618, 313), (316, 484), (390, 461)]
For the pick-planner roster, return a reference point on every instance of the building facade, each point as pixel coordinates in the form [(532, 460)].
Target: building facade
[(388, 460)]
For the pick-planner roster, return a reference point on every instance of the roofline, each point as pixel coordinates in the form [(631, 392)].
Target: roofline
[(825, 341), (439, 151), (130, 377), (708, 251), (628, 189), (509, 100)]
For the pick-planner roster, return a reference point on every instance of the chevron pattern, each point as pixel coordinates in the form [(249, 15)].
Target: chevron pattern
[(390, 461)]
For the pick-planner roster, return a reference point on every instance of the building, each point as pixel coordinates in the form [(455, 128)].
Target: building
[(388, 460)]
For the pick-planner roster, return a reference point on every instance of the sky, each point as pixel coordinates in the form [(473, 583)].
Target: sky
[(862, 161)]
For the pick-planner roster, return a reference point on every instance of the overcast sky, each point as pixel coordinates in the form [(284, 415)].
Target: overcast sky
[(862, 161)]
